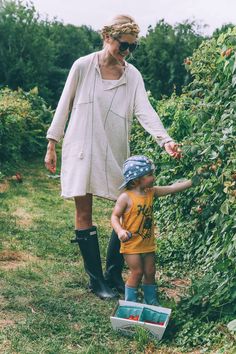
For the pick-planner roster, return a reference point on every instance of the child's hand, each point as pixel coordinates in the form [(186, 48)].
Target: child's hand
[(198, 177), (123, 235)]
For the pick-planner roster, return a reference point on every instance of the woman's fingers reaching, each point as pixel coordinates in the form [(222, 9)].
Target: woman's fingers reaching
[(173, 149)]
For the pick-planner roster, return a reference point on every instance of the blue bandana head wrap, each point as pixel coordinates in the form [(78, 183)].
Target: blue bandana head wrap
[(136, 166)]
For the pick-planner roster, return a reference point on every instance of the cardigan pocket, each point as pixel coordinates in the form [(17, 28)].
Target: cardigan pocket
[(78, 134), (72, 150), (82, 99)]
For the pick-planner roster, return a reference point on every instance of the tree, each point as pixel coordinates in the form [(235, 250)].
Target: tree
[(36, 52), (223, 29), (161, 55)]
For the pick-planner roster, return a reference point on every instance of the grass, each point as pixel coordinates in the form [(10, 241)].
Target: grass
[(45, 305)]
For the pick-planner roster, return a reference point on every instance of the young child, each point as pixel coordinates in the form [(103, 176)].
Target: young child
[(132, 219)]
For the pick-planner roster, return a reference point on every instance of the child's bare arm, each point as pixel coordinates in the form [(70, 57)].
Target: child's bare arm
[(161, 191), (121, 205)]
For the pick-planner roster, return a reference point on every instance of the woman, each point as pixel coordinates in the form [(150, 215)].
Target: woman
[(102, 94)]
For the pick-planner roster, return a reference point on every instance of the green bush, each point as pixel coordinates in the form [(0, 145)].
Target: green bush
[(197, 226), (24, 118)]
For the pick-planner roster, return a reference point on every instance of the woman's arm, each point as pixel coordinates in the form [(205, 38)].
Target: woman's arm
[(120, 208), (57, 127), (161, 191), (147, 116), (151, 122)]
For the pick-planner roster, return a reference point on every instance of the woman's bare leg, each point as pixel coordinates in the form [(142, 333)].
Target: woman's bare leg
[(83, 212)]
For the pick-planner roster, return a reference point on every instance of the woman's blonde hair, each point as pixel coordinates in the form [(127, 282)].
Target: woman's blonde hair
[(120, 24)]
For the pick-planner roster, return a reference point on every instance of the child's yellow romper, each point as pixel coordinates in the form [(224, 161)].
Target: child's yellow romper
[(139, 221)]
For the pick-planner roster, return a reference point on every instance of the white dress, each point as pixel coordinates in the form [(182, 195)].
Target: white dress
[(96, 141)]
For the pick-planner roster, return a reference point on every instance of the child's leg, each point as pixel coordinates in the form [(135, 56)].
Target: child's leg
[(135, 264), (149, 268), (149, 286)]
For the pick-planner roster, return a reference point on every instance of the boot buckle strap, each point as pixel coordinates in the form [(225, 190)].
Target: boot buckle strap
[(77, 239)]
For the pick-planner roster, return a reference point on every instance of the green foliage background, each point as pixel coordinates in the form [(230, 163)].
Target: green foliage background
[(38, 52), (198, 229), (24, 119), (161, 54)]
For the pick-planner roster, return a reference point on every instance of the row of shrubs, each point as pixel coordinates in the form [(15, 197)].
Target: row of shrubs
[(24, 118), (198, 230)]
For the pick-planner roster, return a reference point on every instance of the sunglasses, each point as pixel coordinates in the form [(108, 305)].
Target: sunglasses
[(123, 46)]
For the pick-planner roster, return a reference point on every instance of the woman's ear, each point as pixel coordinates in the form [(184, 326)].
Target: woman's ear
[(107, 38)]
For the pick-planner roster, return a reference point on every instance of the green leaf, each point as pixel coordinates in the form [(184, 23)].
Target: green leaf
[(214, 155), (234, 80), (232, 326), (234, 67), (225, 208)]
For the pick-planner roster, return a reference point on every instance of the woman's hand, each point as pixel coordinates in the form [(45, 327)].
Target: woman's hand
[(51, 157), (173, 149)]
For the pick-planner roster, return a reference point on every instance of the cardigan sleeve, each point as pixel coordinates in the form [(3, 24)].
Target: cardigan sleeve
[(147, 116), (57, 127)]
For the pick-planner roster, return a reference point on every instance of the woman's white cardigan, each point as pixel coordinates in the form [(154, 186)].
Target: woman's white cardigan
[(96, 141)]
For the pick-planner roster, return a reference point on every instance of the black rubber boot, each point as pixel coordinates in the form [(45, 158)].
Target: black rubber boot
[(114, 264), (89, 247)]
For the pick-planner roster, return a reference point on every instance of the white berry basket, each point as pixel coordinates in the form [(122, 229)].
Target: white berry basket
[(153, 318)]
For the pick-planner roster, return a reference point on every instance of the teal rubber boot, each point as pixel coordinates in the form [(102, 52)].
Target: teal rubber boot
[(150, 294), (131, 294)]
